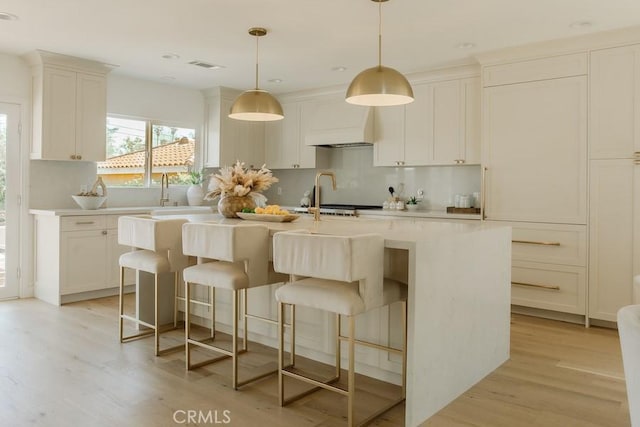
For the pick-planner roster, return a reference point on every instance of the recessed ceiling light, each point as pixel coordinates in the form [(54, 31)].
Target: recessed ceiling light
[(171, 56), (4, 16), (341, 69), (168, 78), (275, 80), (466, 45), (581, 24)]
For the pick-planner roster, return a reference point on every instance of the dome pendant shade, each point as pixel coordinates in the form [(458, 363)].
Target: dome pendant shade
[(256, 105), (379, 87)]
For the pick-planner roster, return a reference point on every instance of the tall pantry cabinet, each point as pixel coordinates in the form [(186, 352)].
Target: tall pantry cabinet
[(614, 224), (534, 156)]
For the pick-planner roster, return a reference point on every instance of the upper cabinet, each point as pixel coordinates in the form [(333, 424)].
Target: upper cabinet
[(69, 107), (229, 140), (441, 127), (615, 103), (284, 142), (535, 143)]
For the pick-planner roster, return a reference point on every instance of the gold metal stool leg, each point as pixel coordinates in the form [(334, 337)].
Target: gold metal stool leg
[(352, 371)]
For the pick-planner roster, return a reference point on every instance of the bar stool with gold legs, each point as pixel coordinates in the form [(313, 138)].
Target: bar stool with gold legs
[(232, 257), (343, 275), (157, 250)]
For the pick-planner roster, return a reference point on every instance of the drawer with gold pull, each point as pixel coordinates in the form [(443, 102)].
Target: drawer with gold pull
[(549, 286), (549, 243)]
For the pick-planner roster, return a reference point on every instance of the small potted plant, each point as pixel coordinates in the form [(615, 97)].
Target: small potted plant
[(195, 193), (412, 204)]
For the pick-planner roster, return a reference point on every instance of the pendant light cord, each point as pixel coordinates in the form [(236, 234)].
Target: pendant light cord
[(379, 34), (257, 47)]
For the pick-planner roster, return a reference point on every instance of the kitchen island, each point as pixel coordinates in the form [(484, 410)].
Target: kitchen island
[(458, 277)]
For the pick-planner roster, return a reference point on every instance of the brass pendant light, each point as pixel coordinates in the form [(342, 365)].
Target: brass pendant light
[(379, 86), (256, 105)]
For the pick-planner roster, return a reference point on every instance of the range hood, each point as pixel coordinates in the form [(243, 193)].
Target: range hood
[(335, 123)]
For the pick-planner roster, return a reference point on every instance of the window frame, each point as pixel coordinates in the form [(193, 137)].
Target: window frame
[(148, 146)]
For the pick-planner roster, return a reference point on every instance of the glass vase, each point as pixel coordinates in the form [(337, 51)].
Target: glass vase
[(229, 205)]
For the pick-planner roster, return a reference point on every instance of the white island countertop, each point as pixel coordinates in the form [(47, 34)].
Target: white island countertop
[(459, 282)]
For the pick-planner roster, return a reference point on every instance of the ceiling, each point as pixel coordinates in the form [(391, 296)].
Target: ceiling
[(307, 39)]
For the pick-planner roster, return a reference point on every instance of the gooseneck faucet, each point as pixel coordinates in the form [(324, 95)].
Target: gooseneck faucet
[(164, 189), (316, 208)]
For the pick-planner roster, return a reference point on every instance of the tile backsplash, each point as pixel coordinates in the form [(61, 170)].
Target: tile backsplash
[(361, 183)]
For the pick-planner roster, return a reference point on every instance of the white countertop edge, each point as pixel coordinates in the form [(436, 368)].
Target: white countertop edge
[(119, 210)]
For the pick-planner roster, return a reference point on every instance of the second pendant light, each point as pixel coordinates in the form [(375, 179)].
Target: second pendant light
[(379, 86)]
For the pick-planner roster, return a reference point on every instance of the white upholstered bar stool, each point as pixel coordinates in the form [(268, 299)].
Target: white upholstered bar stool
[(232, 257), (629, 331), (157, 249), (343, 275)]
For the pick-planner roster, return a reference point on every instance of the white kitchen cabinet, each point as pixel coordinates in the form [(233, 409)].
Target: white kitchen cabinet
[(76, 257), (69, 108), (535, 151), (614, 120), (534, 154), (614, 234), (284, 145), (441, 126), (229, 140)]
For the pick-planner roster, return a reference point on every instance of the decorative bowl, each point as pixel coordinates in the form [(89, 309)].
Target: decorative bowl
[(412, 207), (89, 202)]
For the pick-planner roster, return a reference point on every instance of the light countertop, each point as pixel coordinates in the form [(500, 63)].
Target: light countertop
[(123, 210)]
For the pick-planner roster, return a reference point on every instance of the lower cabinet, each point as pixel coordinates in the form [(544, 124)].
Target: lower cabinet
[(614, 236), (549, 266), (76, 257)]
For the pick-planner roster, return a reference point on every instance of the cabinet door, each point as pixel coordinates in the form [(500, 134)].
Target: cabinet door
[(83, 261), (282, 140), (59, 114), (114, 250), (614, 190), (229, 135), (447, 139), (418, 128), (389, 126), (470, 93), (615, 103), (249, 147), (91, 117), (535, 151)]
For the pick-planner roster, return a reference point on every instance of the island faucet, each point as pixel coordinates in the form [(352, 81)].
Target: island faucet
[(164, 189), (316, 208)]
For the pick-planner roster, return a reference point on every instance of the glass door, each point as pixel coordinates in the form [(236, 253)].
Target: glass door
[(9, 200)]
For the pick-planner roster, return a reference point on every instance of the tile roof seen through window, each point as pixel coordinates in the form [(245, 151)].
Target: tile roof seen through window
[(172, 154)]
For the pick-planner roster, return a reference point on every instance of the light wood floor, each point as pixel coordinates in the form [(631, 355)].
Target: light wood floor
[(64, 366)]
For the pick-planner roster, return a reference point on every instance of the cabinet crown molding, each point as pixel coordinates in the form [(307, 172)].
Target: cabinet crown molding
[(563, 46), (42, 57)]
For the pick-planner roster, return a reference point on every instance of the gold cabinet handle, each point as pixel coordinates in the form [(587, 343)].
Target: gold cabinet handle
[(104, 232), (636, 154), (79, 157), (636, 162), (73, 157), (534, 285), (483, 193), (533, 242), (85, 222)]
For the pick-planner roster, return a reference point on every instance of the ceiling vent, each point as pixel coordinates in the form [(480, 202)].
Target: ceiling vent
[(206, 65)]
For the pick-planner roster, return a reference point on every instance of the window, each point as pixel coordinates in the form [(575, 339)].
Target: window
[(140, 151)]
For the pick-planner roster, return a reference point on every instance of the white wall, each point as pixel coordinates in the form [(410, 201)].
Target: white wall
[(15, 79)]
